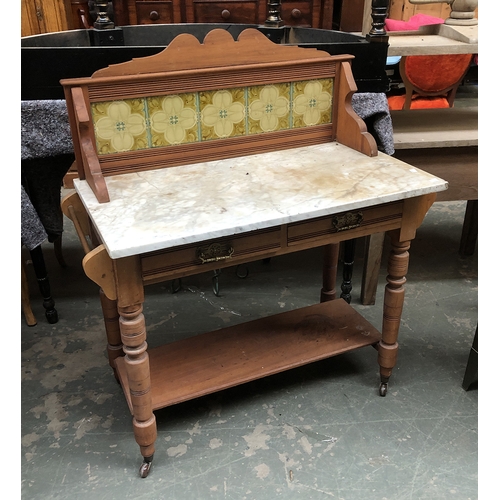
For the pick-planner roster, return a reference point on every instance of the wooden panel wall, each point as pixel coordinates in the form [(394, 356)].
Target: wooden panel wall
[(44, 16)]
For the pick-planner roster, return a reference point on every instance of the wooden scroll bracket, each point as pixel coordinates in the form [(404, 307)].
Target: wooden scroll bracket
[(91, 166), (350, 128), (99, 268), (414, 213), (97, 264)]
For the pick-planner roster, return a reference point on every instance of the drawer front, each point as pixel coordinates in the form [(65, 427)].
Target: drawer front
[(240, 11), (297, 13), (350, 224), (208, 255), (160, 12)]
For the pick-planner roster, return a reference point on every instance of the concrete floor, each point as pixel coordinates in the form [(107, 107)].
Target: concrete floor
[(320, 431)]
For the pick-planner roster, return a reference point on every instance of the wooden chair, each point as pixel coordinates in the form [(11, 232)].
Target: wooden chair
[(430, 81)]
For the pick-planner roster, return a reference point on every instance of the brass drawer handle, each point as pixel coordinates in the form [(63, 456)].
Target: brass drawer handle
[(215, 252), (154, 16), (296, 14), (225, 14), (349, 220)]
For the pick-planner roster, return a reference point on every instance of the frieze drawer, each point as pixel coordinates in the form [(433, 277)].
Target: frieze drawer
[(297, 13), (217, 253), (350, 223), (155, 12), (236, 11)]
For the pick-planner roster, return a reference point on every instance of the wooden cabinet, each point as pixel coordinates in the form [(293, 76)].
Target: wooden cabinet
[(307, 13), (43, 16), (402, 10)]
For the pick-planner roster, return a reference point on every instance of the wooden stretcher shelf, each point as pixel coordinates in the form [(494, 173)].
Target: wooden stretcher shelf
[(217, 360)]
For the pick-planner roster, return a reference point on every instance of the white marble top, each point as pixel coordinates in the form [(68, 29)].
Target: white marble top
[(174, 206)]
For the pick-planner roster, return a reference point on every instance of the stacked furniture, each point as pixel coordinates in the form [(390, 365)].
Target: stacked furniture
[(443, 141)]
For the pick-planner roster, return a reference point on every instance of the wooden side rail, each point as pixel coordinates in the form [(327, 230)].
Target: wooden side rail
[(89, 157)]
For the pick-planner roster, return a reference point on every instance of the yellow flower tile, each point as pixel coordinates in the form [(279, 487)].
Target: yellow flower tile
[(222, 113), (120, 126), (268, 108), (312, 102), (173, 119)]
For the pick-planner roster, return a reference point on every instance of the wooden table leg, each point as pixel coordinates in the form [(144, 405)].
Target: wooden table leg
[(393, 307), (43, 284), (133, 333), (330, 264), (121, 300), (374, 246), (130, 297), (112, 326), (348, 266)]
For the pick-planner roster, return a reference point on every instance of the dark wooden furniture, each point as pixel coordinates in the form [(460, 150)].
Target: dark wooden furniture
[(224, 131), (307, 13), (48, 58)]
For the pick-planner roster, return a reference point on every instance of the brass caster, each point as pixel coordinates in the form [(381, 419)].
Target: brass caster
[(146, 466), (383, 389)]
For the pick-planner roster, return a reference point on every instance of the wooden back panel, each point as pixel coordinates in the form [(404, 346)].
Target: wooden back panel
[(205, 101)]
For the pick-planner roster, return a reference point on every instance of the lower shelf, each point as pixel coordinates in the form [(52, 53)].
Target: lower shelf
[(224, 358)]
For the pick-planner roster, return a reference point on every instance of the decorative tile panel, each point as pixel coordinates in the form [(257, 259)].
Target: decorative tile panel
[(163, 121)]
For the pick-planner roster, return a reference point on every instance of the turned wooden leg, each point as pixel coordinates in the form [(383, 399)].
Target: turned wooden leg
[(43, 284), (112, 327), (393, 307), (330, 262), (348, 266), (371, 269), (133, 334)]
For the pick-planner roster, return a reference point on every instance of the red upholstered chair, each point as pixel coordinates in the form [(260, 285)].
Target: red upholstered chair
[(430, 81)]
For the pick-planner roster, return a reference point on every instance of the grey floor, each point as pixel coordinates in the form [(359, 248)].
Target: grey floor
[(320, 431)]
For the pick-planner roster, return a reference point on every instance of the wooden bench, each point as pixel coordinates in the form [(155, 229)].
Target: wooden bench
[(214, 154), (443, 142)]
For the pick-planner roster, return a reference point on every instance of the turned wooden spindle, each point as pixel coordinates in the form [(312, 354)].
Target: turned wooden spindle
[(133, 334), (103, 22), (274, 14), (379, 15), (348, 267), (393, 307)]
